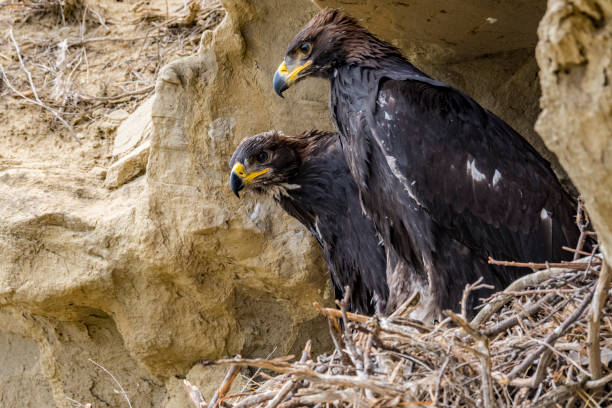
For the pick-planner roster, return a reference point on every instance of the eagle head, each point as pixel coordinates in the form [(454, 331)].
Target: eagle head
[(262, 161), (323, 43)]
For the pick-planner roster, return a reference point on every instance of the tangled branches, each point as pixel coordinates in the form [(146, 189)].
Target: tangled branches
[(545, 341)]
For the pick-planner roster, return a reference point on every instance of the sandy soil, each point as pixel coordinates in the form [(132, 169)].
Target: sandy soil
[(92, 62)]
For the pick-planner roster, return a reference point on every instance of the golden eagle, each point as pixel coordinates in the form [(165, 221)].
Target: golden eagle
[(446, 182), (308, 176)]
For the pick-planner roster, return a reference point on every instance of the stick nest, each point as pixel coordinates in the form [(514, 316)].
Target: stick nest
[(546, 341)]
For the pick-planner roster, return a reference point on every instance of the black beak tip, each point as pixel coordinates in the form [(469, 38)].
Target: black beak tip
[(236, 184), (279, 84)]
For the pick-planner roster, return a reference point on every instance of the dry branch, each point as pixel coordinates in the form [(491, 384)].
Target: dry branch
[(527, 347), (231, 375), (552, 337), (599, 300)]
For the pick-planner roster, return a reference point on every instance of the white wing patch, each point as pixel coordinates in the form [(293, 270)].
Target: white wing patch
[(381, 100), (384, 98), (496, 177), (474, 172), (387, 116), (393, 166), (317, 228), (544, 214)]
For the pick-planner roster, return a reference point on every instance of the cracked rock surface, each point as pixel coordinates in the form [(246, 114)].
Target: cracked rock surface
[(150, 264)]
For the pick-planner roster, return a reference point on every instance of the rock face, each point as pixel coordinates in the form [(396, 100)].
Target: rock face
[(145, 274), (152, 264), (575, 59)]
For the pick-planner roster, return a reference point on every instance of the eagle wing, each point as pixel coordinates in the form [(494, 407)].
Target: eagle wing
[(470, 171), (346, 235)]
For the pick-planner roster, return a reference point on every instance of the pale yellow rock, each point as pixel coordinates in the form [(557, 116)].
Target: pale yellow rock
[(119, 115), (129, 166), (134, 129), (21, 372), (575, 58), (169, 268)]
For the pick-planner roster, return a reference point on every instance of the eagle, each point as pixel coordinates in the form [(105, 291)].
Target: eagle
[(308, 176), (446, 182)]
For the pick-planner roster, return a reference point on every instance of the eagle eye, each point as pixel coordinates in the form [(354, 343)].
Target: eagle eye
[(305, 49), (261, 156)]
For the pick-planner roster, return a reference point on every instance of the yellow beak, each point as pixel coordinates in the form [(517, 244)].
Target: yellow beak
[(283, 79), (239, 178)]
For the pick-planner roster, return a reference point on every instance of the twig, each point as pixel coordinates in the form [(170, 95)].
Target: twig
[(439, 382), (512, 321), (348, 340), (533, 265), (564, 356), (550, 339), (599, 382), (326, 397), (251, 379), (286, 368), (122, 391), (576, 251), (532, 279), (367, 364), (408, 306), (599, 301), (75, 42), (482, 344), (195, 395), (100, 18), (36, 100), (280, 396), (535, 380), (256, 399), (365, 319), (395, 365), (334, 332), (28, 74), (306, 352), (582, 221), (231, 375), (469, 288), (113, 98), (555, 395), (554, 291)]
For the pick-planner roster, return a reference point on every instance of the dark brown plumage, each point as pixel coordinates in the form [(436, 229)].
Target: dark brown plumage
[(446, 182), (308, 176)]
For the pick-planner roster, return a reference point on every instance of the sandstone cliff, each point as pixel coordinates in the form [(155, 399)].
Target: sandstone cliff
[(151, 264)]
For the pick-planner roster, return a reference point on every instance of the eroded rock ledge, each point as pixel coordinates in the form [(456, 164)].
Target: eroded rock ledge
[(150, 272)]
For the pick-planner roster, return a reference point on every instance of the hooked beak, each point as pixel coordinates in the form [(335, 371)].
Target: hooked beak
[(236, 183), (283, 78), (239, 178)]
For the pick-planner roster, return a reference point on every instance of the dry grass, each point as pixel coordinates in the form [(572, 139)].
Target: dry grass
[(70, 59)]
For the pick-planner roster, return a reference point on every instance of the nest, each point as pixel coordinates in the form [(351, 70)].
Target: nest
[(545, 341)]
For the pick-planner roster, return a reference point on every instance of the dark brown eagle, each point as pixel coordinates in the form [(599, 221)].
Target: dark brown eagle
[(446, 182), (308, 176)]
